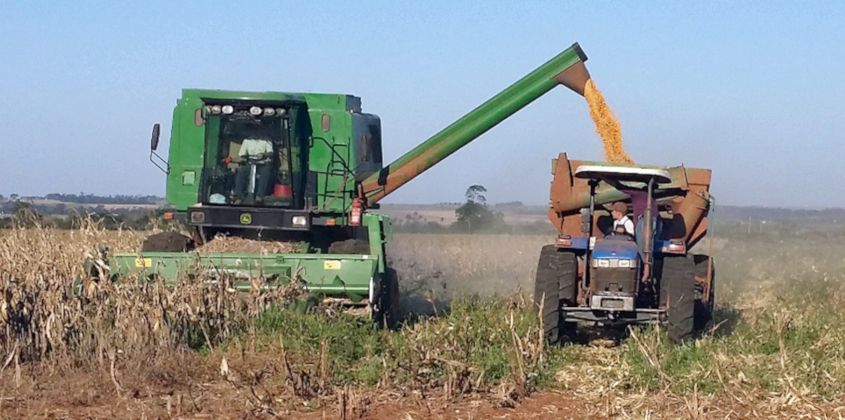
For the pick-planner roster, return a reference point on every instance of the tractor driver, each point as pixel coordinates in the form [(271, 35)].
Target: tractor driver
[(255, 151), (621, 222), (640, 201)]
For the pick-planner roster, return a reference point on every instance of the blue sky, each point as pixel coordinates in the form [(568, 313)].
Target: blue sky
[(753, 90)]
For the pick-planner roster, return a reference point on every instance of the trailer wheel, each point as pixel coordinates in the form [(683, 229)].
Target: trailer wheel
[(555, 286), (677, 295), (704, 299), (386, 305)]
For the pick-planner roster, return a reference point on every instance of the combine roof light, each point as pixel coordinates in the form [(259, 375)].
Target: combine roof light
[(269, 112), (228, 109), (215, 109), (255, 110), (280, 111)]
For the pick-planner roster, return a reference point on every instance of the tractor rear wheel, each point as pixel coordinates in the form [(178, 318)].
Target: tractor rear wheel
[(677, 296), (704, 290), (555, 286), (386, 305)]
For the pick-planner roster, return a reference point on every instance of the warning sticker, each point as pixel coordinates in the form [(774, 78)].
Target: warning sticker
[(143, 262)]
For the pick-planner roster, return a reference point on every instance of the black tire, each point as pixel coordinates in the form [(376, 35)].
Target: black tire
[(704, 307), (555, 286), (677, 295), (386, 305), (168, 242), (350, 246)]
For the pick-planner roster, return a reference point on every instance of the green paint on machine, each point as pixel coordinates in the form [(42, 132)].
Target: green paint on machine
[(309, 167)]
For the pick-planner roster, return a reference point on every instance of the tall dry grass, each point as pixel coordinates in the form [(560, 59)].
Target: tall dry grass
[(53, 312), (776, 346)]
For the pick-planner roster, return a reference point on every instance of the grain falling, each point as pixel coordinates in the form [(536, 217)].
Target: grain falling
[(606, 125)]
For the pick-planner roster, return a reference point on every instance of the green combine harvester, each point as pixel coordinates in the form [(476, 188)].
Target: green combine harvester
[(305, 168)]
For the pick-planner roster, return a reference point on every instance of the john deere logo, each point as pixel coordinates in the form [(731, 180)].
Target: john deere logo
[(246, 219)]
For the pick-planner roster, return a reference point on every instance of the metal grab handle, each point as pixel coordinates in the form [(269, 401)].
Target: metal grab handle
[(166, 168), (252, 173)]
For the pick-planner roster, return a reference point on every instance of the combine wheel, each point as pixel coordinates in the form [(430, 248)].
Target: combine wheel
[(386, 305), (555, 286), (677, 294), (704, 290), (350, 246), (168, 242)]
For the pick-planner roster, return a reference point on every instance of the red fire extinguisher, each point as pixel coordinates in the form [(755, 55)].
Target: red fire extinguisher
[(355, 214)]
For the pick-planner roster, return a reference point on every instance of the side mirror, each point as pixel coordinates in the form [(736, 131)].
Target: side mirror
[(154, 139)]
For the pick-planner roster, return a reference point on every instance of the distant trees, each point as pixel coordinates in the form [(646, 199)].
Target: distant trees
[(25, 216), (83, 198), (474, 215)]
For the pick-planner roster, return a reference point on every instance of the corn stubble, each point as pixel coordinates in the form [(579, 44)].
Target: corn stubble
[(54, 312), (775, 346)]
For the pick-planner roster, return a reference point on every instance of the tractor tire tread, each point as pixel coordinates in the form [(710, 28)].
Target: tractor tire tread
[(677, 292), (555, 286), (704, 310)]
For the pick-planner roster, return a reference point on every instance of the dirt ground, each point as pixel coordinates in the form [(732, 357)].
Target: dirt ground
[(194, 389), (197, 391)]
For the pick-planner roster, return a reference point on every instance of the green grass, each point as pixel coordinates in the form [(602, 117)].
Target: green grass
[(778, 328), (474, 340)]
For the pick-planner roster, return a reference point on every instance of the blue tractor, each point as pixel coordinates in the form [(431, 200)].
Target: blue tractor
[(614, 277)]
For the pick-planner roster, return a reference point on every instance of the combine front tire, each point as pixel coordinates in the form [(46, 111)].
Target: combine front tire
[(555, 286), (386, 305), (677, 296), (168, 242)]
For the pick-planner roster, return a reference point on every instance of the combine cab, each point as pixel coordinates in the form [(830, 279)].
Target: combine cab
[(597, 275)]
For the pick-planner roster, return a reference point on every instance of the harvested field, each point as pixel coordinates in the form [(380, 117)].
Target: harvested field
[(775, 349)]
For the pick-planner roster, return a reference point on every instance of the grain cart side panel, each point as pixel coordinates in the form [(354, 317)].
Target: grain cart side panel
[(686, 196)]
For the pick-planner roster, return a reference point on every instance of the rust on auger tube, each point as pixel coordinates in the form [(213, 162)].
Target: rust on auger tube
[(567, 69)]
